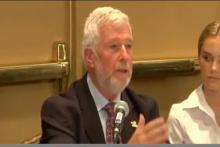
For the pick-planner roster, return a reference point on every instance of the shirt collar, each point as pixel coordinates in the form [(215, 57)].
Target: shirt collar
[(197, 100), (100, 100)]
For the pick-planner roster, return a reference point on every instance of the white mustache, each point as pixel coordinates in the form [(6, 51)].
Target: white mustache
[(124, 65)]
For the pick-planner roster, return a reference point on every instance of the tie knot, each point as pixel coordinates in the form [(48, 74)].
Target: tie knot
[(109, 108)]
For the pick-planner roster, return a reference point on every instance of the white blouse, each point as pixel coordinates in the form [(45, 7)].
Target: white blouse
[(193, 121)]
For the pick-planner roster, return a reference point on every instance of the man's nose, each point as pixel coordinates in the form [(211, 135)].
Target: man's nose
[(125, 53)]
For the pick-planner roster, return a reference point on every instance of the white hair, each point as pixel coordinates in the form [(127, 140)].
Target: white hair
[(96, 19)]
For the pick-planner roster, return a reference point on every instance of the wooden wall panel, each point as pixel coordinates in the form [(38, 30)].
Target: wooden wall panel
[(28, 32), (29, 29)]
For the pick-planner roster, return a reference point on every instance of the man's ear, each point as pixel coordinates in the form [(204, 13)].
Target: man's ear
[(89, 58)]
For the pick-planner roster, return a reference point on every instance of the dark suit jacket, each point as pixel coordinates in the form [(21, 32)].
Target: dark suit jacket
[(72, 117)]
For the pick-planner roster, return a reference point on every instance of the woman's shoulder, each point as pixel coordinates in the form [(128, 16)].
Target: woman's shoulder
[(178, 109)]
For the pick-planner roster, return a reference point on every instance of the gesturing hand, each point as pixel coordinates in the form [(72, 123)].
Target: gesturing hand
[(154, 132)]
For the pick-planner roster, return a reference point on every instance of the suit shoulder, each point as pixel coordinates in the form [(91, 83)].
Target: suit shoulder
[(67, 97), (145, 99), (145, 104), (63, 103)]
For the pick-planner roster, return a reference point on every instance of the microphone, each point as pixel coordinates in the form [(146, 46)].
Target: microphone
[(121, 110)]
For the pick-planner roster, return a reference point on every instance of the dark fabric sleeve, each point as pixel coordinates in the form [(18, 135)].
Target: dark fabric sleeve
[(53, 135), (149, 107), (58, 121), (154, 111)]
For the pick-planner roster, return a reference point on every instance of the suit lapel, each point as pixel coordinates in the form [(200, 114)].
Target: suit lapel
[(91, 120)]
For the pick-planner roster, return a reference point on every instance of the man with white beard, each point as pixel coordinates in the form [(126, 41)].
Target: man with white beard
[(81, 115)]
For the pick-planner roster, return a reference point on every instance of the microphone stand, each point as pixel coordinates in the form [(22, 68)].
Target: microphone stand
[(117, 132), (117, 135)]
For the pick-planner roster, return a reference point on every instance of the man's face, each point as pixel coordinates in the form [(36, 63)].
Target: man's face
[(210, 63), (113, 65)]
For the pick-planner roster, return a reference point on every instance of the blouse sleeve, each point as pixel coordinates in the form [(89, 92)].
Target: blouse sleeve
[(176, 130)]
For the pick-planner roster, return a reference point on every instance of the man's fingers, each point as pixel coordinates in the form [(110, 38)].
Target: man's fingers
[(159, 134), (138, 134), (163, 138), (154, 124), (154, 132)]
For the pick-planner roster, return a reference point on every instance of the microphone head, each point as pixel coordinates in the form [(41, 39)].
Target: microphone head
[(122, 105)]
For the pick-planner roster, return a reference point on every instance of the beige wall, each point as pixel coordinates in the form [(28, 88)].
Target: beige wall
[(20, 110), (29, 29), (162, 29)]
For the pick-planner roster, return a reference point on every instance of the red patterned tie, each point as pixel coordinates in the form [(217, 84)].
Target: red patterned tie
[(110, 122)]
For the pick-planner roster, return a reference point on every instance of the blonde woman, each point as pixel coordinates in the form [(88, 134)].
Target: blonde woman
[(197, 119)]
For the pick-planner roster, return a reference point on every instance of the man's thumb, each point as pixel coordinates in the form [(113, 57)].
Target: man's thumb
[(141, 121)]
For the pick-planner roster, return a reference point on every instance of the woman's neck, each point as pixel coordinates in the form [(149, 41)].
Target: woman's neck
[(211, 94)]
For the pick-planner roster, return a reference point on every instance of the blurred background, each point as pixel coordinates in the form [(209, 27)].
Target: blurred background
[(40, 54)]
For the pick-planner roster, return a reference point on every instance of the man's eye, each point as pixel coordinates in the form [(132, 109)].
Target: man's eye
[(128, 46), (113, 46)]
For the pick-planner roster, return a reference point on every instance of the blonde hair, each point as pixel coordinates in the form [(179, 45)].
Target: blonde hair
[(211, 30)]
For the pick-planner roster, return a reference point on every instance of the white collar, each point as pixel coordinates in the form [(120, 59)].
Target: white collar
[(197, 100), (99, 99)]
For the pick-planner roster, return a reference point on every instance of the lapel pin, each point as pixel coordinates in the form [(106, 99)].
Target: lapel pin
[(134, 124)]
